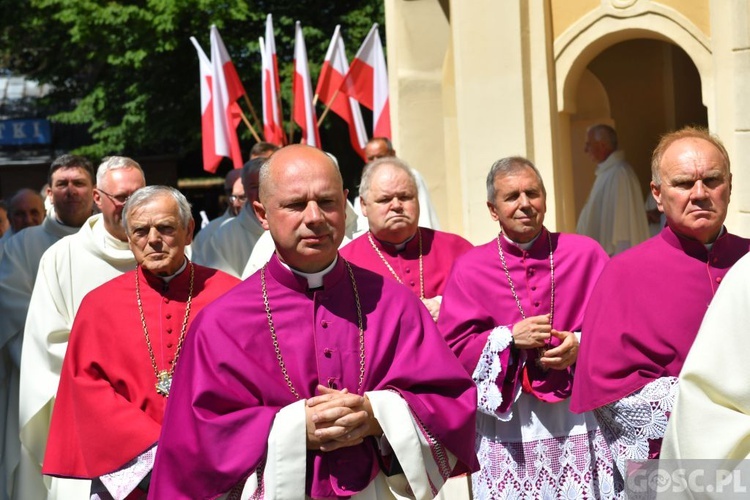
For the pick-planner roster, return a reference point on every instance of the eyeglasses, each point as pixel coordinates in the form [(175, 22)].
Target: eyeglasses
[(234, 198), (119, 200)]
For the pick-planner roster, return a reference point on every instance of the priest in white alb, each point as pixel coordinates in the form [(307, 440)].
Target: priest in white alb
[(614, 214), (68, 270), (71, 185)]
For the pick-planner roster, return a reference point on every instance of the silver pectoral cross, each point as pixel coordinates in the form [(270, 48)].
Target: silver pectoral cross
[(164, 383)]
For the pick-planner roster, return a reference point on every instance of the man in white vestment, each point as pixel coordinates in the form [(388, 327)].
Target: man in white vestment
[(25, 208), (711, 415), (236, 199), (381, 147), (230, 246), (71, 184), (68, 270), (613, 214)]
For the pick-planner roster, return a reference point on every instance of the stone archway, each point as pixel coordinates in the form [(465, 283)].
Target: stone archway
[(655, 40), (643, 88)]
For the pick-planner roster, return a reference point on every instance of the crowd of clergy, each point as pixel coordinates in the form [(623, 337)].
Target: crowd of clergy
[(304, 346)]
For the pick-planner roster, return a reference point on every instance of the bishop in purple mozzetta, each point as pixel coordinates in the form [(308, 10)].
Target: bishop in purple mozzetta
[(314, 377), (648, 305), (512, 312), (394, 245)]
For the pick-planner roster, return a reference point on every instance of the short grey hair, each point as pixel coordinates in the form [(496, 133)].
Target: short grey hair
[(146, 194), (371, 168), (506, 166), (604, 133), (110, 163)]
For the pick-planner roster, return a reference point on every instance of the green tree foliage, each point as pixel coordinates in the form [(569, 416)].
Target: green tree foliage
[(128, 72)]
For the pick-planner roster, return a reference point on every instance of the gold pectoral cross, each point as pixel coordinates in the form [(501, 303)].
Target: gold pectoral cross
[(164, 383)]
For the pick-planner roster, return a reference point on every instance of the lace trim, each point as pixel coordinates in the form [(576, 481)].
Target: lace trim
[(575, 467), (489, 367), (122, 482), (629, 424)]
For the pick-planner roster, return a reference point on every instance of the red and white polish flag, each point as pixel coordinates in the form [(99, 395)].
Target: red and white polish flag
[(367, 82), (303, 108), (226, 89), (273, 126), (332, 73), (210, 159)]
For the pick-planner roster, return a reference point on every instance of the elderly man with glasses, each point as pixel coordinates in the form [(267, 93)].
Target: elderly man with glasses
[(68, 270)]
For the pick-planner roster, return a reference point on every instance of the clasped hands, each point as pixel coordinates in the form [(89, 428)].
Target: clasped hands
[(337, 419), (535, 332)]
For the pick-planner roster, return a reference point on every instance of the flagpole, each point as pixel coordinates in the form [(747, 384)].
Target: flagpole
[(252, 111), (247, 122), (328, 107), (291, 117)]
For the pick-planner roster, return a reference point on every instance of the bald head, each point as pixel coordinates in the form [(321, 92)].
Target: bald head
[(25, 209), (303, 205), (288, 157)]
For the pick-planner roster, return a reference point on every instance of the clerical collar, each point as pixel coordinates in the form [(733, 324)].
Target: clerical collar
[(398, 246), (169, 278), (105, 237), (522, 246), (709, 246), (314, 280)]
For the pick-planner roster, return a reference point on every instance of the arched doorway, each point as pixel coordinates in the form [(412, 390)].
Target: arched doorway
[(642, 87), (634, 67)]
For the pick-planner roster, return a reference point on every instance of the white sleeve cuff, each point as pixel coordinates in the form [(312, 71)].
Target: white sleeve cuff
[(425, 461), (488, 370), (286, 461)]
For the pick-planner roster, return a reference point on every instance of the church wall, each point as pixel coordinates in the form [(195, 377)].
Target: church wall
[(565, 13), (698, 12), (416, 74), (730, 22), (489, 96)]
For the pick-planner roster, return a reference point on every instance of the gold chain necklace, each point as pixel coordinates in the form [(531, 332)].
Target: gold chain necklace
[(421, 266), (277, 348), (164, 377), (540, 350)]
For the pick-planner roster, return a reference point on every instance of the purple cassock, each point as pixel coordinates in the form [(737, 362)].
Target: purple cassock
[(478, 298), (439, 251), (229, 386), (645, 313), (527, 439)]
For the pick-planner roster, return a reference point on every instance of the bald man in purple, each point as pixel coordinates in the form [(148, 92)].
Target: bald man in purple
[(511, 312), (316, 378), (650, 300)]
